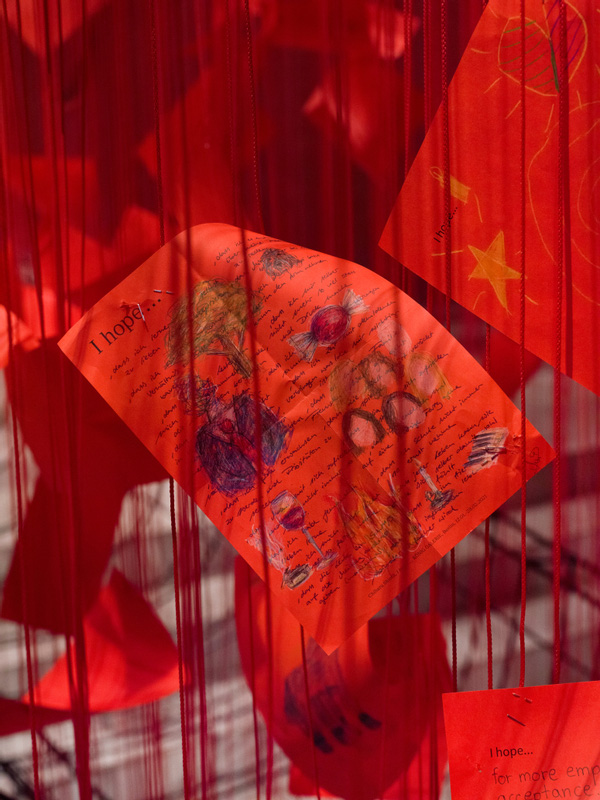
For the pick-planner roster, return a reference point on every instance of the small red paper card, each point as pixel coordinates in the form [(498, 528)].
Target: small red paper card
[(483, 227), (538, 743), (383, 442), (130, 656)]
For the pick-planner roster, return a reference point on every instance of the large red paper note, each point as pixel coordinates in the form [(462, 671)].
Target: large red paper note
[(524, 744), (482, 226), (374, 703), (383, 442)]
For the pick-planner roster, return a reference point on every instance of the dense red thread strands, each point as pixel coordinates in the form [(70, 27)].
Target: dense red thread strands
[(301, 171), (310, 714), (253, 119), (172, 510), (448, 275), (252, 628), (487, 558), (522, 360), (562, 343), (408, 82), (17, 455)]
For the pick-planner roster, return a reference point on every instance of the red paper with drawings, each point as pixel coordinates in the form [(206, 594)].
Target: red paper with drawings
[(538, 743), (383, 442), (485, 183)]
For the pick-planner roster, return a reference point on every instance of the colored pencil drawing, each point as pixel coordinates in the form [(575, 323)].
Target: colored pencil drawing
[(226, 442), (290, 514), (542, 47), (436, 498), (421, 371), (487, 446), (275, 261), (381, 373), (328, 325), (584, 134), (402, 411), (216, 316), (347, 386), (291, 577), (380, 528), (334, 718), (394, 337), (425, 377), (361, 429)]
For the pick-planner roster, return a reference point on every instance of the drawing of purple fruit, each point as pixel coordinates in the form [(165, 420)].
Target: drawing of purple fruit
[(328, 325)]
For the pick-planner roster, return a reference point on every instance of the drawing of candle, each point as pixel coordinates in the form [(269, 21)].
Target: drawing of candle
[(327, 326), (436, 498), (290, 514)]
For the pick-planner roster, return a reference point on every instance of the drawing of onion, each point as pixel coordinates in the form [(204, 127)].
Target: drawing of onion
[(402, 412), (361, 429)]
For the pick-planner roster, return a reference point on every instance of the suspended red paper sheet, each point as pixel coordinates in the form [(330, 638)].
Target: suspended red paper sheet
[(373, 703), (417, 783), (15, 716), (57, 22), (130, 656), (483, 226), (13, 331), (364, 121), (196, 176), (58, 558), (533, 743), (360, 26), (373, 418)]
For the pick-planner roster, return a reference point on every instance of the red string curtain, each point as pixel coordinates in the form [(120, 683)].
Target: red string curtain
[(123, 124)]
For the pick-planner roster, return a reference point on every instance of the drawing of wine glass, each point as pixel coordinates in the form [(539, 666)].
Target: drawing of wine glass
[(290, 514)]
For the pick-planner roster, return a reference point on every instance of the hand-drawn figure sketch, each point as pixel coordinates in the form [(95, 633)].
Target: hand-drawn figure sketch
[(436, 498), (361, 429), (335, 717), (216, 317), (380, 530), (292, 577), (328, 325), (290, 514), (402, 411), (276, 261), (487, 445)]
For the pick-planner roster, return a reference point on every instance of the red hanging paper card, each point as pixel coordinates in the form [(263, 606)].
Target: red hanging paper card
[(130, 656), (15, 716), (373, 417), (536, 743), (374, 704), (481, 228)]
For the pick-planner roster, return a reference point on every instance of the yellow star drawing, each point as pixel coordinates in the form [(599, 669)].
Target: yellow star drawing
[(492, 266)]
